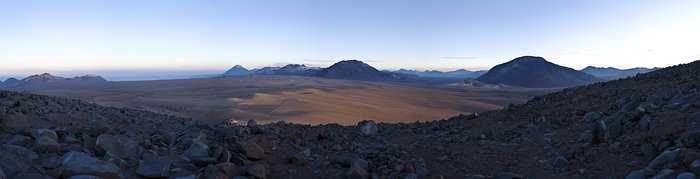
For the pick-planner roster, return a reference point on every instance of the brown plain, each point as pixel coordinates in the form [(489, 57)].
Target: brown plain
[(304, 100)]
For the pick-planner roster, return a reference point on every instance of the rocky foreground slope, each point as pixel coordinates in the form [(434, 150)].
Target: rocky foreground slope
[(637, 127)]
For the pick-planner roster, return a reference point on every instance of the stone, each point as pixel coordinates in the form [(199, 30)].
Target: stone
[(258, 171), (252, 150), (154, 166), (691, 139), (78, 163), (48, 133), (367, 128), (299, 159), (593, 116), (46, 145), (120, 146), (98, 127), (645, 123), (637, 174), (665, 173), (694, 118), (20, 151), (649, 151), (356, 171), (196, 150), (422, 172), (560, 163), (252, 123), (686, 175), (599, 133), (695, 167), (11, 164), (50, 162), (84, 177), (20, 140), (664, 158), (32, 176), (15, 121)]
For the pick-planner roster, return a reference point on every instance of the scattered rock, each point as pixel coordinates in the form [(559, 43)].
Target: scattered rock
[(78, 163), (120, 146), (196, 150), (15, 121), (258, 171), (20, 151), (686, 175), (664, 158), (367, 128), (593, 116), (46, 145), (599, 133), (560, 163), (645, 123), (252, 150), (356, 171), (154, 166)]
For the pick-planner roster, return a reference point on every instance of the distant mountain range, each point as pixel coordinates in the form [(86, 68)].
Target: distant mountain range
[(536, 72), (461, 73), (347, 69), (610, 73), (47, 78)]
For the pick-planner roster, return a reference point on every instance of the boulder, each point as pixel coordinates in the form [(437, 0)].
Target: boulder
[(15, 121), (154, 166), (665, 173), (258, 171), (78, 163), (196, 150), (46, 145), (28, 155), (48, 133), (84, 177), (637, 174), (560, 163), (252, 150), (695, 167), (120, 146), (252, 123), (664, 158), (11, 164), (686, 175), (222, 171), (98, 127), (599, 133), (22, 140), (593, 116), (645, 123), (691, 139), (356, 171), (367, 128), (32, 176)]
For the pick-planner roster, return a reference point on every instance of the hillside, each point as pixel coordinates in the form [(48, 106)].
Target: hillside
[(536, 72), (357, 70), (640, 127)]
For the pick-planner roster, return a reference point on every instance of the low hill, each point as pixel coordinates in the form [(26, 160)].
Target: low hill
[(536, 72), (356, 70)]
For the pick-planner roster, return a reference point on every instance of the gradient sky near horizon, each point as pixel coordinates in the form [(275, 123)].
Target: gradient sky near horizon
[(170, 36)]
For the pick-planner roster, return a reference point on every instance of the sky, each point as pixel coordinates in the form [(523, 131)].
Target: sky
[(136, 39)]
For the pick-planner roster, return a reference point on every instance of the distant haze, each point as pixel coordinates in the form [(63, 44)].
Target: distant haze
[(155, 39)]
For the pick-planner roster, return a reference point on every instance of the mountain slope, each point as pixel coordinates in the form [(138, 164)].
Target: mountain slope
[(536, 72), (237, 70), (354, 70), (611, 73), (297, 70)]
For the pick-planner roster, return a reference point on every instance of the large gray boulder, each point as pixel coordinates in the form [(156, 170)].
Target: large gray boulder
[(46, 144), (119, 146), (593, 116), (154, 166), (11, 164), (367, 128), (252, 150), (196, 150), (78, 163)]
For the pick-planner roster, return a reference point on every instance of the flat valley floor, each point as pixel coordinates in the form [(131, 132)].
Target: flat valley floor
[(303, 100)]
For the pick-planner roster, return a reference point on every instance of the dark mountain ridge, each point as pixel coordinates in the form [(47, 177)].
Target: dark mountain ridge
[(536, 72)]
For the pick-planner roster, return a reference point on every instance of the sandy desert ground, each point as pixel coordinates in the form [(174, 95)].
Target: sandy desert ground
[(304, 100)]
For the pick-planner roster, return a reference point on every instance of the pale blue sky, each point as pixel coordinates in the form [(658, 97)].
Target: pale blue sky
[(182, 37)]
